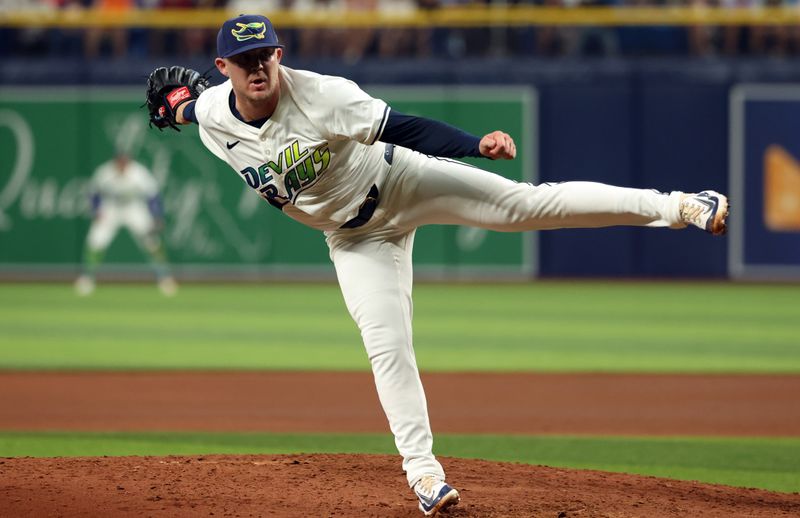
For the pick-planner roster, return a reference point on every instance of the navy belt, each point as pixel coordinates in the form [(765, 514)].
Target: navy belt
[(366, 210)]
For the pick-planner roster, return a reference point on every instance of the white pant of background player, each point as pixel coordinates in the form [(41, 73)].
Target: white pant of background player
[(135, 217), (373, 262)]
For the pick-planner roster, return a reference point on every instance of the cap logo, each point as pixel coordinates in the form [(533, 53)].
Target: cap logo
[(248, 31)]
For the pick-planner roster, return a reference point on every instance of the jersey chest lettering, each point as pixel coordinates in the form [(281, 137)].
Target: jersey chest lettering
[(278, 181)]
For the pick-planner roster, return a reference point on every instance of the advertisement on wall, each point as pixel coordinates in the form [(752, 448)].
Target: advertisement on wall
[(765, 182), (52, 140)]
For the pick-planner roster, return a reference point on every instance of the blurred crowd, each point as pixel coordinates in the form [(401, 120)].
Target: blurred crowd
[(353, 44)]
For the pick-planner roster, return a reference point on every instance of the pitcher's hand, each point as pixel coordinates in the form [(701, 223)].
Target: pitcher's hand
[(498, 145)]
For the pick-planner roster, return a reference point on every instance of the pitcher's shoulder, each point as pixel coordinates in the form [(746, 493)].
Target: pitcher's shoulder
[(213, 103)]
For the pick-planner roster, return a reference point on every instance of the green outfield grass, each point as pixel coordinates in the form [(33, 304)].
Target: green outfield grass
[(764, 463), (542, 326)]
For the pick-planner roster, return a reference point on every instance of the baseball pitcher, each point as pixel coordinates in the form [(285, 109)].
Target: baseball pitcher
[(328, 155)]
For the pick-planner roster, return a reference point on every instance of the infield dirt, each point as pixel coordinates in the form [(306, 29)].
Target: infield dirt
[(374, 485)]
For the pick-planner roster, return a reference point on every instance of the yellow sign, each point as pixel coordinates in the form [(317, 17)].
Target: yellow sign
[(781, 190)]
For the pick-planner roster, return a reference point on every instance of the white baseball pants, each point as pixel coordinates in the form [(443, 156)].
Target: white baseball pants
[(373, 262), (135, 217)]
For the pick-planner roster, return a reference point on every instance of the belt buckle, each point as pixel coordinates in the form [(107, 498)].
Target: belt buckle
[(366, 201)]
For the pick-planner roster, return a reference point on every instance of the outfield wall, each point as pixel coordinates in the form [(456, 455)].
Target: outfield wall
[(660, 124), (55, 137)]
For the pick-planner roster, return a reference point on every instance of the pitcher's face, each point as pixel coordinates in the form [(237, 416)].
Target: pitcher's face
[(254, 74)]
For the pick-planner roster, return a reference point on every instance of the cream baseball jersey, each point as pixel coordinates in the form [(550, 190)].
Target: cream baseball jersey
[(133, 186), (314, 157)]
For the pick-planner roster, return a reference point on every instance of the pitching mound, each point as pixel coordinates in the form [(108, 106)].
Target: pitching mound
[(352, 485)]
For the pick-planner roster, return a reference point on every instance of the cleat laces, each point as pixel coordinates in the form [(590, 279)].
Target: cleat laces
[(691, 212), (425, 485)]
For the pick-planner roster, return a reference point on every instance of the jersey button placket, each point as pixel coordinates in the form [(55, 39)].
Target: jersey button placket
[(265, 146)]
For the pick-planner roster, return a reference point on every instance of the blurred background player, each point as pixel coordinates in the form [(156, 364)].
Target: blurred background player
[(125, 194)]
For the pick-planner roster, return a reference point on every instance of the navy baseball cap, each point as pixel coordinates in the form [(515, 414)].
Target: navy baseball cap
[(245, 32)]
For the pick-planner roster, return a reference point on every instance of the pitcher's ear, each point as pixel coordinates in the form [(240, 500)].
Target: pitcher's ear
[(221, 66)]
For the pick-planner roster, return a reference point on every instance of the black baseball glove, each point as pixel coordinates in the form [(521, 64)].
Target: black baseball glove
[(168, 88)]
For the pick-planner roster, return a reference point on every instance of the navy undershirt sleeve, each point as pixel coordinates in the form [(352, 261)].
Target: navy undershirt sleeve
[(95, 200), (429, 136), (156, 207), (188, 112)]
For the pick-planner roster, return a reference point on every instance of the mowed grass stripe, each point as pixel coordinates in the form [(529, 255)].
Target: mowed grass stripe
[(545, 326), (747, 462)]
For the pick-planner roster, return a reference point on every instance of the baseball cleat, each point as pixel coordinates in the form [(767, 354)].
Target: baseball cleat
[(168, 286), (707, 210), (84, 285), (434, 495)]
